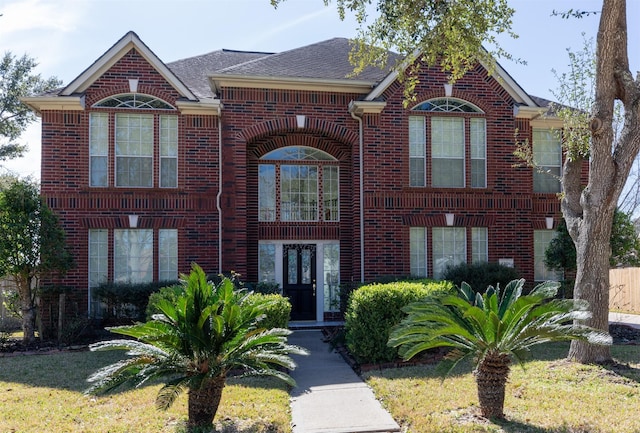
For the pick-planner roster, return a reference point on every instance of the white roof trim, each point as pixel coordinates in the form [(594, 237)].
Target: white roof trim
[(39, 103), (115, 53), (289, 83), (203, 107), (501, 75), (366, 107)]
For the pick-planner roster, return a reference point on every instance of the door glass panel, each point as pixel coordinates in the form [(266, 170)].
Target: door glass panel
[(292, 257), (306, 266)]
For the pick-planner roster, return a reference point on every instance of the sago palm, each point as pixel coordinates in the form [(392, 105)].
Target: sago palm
[(491, 329), (194, 344)]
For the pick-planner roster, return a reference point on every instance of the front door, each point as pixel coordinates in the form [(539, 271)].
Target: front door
[(300, 280)]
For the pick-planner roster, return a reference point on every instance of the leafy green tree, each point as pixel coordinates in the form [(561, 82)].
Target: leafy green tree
[(451, 34), (18, 80), (32, 245), (208, 333), (625, 246), (490, 329)]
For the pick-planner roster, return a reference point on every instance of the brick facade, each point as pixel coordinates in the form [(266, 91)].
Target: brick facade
[(254, 121)]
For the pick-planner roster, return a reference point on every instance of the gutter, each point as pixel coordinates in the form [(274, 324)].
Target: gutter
[(219, 195), (361, 168)]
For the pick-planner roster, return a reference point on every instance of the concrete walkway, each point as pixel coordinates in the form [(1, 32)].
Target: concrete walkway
[(329, 396)]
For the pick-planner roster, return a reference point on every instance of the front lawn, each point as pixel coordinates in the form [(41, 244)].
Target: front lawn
[(550, 396), (44, 393)]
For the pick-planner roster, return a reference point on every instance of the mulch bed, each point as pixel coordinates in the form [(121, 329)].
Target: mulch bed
[(621, 334)]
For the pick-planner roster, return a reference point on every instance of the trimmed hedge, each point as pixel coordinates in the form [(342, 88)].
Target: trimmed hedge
[(376, 308), (276, 314), (127, 301), (481, 275)]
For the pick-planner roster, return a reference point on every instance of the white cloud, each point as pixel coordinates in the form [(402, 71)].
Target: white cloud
[(21, 15)]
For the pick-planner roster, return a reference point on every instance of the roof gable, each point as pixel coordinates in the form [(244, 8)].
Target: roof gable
[(115, 53)]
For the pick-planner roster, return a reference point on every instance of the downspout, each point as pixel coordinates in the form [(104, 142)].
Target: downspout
[(360, 153), (219, 195)]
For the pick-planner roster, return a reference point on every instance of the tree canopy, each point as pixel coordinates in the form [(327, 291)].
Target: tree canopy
[(18, 80)]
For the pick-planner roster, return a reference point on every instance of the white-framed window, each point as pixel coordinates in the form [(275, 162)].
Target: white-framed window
[(547, 157), (298, 196), (448, 136), (139, 137), (168, 151), (134, 150), (331, 269), (98, 266), (330, 193), (541, 240), (167, 255), (449, 248), (479, 244), (478, 138), (298, 193), (132, 255), (266, 263), (98, 149), (447, 152), (417, 151), (418, 251)]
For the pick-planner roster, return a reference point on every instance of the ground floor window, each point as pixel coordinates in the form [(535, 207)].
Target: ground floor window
[(133, 257), (449, 248), (541, 240)]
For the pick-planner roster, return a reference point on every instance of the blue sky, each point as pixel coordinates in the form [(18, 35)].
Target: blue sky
[(66, 36)]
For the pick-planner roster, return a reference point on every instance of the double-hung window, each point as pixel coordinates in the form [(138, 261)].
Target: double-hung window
[(448, 136), (547, 157), (140, 150)]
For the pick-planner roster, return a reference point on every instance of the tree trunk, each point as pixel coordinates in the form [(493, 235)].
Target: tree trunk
[(592, 281), (27, 309), (491, 379), (204, 402), (589, 211)]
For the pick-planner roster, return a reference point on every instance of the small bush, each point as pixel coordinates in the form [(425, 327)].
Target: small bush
[(481, 275), (374, 309), (265, 288), (277, 314), (171, 293), (127, 301)]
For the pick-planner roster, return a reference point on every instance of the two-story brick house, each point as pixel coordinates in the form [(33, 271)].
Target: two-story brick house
[(285, 168)]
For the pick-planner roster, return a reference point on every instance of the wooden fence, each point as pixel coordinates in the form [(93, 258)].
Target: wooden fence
[(624, 294)]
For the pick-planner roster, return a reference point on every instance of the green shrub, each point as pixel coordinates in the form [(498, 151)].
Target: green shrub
[(276, 314), (127, 301), (264, 287), (374, 309), (481, 275)]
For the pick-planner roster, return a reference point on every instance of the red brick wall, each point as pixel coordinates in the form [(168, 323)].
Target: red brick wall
[(256, 121)]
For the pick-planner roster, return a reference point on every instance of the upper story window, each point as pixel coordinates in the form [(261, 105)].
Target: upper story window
[(127, 144), (447, 135), (547, 157), (298, 183)]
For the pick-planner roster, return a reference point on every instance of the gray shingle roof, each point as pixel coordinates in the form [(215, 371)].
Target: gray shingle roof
[(323, 60), (193, 71)]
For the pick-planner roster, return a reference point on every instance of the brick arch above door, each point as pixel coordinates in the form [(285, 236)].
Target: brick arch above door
[(307, 124)]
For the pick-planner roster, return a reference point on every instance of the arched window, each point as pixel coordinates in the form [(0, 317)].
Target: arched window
[(447, 135), (134, 100), (133, 136), (298, 183)]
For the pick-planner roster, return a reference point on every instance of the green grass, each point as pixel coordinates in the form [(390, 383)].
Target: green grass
[(550, 396), (44, 393)]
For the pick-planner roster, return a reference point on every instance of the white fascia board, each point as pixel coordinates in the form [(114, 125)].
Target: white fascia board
[(538, 117), (366, 107), (40, 103), (202, 107), (290, 83), (115, 53)]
